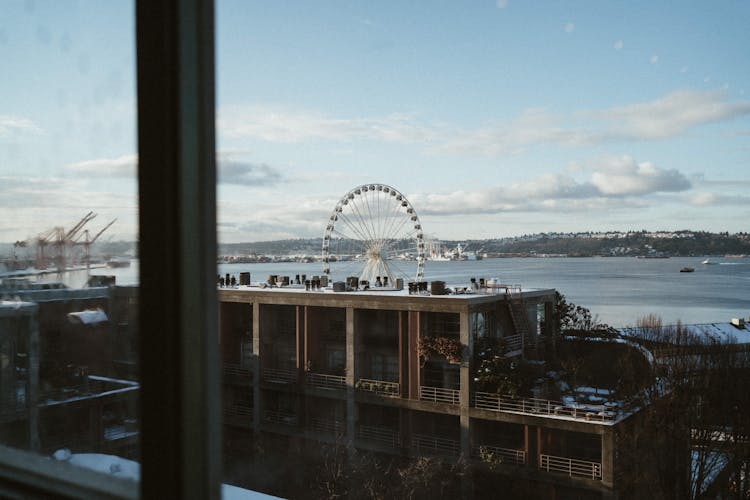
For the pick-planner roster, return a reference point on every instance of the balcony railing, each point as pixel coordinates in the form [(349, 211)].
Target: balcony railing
[(281, 417), (496, 454), (12, 407), (439, 395), (238, 414), (536, 406), (279, 375), (379, 387), (381, 435), (513, 343), (325, 425), (323, 381), (423, 443), (235, 372), (571, 466)]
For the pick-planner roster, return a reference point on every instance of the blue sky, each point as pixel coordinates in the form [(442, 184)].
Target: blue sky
[(495, 118)]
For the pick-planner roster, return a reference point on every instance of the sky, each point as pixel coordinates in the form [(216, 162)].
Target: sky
[(494, 118)]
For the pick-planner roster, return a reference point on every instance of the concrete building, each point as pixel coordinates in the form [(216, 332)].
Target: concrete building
[(64, 358), (312, 366)]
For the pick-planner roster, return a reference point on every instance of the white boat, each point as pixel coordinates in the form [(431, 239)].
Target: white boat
[(708, 262)]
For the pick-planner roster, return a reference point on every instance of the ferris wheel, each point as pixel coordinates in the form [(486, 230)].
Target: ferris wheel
[(374, 233)]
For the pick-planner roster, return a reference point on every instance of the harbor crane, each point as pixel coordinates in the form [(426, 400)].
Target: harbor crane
[(54, 244)]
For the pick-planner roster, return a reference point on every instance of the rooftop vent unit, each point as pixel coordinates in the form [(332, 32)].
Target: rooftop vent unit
[(738, 323)]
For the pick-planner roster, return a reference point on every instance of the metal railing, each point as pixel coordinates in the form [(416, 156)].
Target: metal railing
[(236, 371), (115, 432), (439, 395), (323, 381), (422, 443), (571, 466), (325, 425), (280, 375), (238, 410), (513, 343), (536, 406), (379, 387), (496, 454), (381, 435), (281, 417)]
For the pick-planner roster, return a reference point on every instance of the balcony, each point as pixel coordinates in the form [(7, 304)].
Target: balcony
[(513, 344), (439, 395), (432, 445), (571, 466), (13, 406), (536, 406), (379, 387), (495, 454), (383, 436), (281, 417), (324, 425), (234, 373), (238, 413), (280, 375), (323, 381)]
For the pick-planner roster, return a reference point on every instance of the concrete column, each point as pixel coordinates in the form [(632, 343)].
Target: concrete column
[(465, 320), (351, 354), (33, 395), (465, 327), (256, 368), (413, 354), (403, 354), (299, 330), (608, 462)]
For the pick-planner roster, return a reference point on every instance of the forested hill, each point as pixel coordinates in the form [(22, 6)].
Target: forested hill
[(638, 243)]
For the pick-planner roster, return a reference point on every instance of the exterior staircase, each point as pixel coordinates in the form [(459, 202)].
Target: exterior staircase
[(519, 316)]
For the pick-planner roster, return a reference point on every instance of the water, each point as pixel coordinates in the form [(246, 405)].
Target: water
[(619, 290)]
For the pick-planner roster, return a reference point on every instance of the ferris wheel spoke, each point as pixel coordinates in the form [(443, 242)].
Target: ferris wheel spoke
[(355, 228), (363, 219), (370, 218), (393, 216)]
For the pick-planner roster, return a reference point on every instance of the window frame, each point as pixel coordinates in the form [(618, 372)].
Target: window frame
[(179, 392)]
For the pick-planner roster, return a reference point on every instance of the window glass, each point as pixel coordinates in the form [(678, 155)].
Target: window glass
[(68, 262)]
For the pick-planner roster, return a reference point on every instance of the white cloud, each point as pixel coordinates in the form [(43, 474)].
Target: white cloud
[(570, 27), (121, 167), (704, 199), (672, 114), (618, 45), (292, 127), (13, 125), (623, 176), (661, 118), (653, 59)]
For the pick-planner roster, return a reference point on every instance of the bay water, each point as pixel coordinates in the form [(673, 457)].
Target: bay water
[(618, 290)]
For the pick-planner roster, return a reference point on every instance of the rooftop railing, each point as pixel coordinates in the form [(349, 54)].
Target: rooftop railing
[(571, 466)]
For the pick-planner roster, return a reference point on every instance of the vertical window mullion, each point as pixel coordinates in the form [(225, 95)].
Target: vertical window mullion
[(177, 183)]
